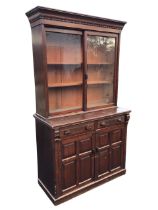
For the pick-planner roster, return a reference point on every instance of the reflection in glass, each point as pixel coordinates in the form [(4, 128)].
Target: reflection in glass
[(100, 68), (63, 48), (64, 59), (105, 43)]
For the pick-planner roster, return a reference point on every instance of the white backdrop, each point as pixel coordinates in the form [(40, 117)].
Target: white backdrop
[(138, 87)]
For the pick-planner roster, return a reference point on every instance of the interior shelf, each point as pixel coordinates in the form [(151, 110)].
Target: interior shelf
[(98, 103), (100, 63), (65, 109), (79, 64), (78, 84), (99, 82), (55, 85), (62, 64)]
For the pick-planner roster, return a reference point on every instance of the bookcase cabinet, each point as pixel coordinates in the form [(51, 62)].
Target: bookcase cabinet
[(80, 131)]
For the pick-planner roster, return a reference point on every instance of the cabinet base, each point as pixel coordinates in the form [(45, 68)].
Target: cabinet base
[(80, 190)]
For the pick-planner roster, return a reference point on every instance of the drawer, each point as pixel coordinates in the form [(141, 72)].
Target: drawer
[(76, 129), (112, 121)]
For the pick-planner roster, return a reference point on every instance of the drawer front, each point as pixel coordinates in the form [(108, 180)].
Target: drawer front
[(112, 121), (76, 129)]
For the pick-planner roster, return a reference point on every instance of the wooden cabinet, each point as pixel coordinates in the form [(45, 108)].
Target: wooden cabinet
[(80, 131)]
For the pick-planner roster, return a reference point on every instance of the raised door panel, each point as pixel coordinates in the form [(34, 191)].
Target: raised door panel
[(116, 135), (85, 145), (102, 158), (69, 164), (117, 142), (69, 174), (69, 149), (103, 139), (86, 160), (103, 162), (85, 168), (116, 153)]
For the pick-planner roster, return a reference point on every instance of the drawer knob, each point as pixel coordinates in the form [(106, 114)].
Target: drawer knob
[(93, 151), (67, 132), (102, 123), (97, 149), (88, 127), (119, 120)]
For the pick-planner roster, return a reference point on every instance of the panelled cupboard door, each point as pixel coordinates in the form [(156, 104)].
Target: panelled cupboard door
[(102, 163), (117, 142), (109, 151), (77, 161)]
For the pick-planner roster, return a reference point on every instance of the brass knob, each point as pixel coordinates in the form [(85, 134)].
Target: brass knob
[(88, 127), (102, 123), (97, 149), (67, 132), (93, 150), (119, 120)]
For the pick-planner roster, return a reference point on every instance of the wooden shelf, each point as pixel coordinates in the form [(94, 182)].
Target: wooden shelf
[(100, 63), (54, 64), (99, 82), (51, 64), (65, 109), (98, 103), (56, 85)]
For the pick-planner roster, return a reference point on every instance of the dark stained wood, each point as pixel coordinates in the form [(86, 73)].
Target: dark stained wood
[(82, 189), (46, 157), (64, 31), (125, 140), (85, 71), (78, 148), (76, 156), (61, 55), (99, 150), (85, 162), (78, 25), (103, 161), (116, 69), (39, 56), (58, 17), (80, 117), (68, 170), (117, 142), (116, 156)]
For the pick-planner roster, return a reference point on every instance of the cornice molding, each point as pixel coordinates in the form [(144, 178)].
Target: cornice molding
[(43, 13)]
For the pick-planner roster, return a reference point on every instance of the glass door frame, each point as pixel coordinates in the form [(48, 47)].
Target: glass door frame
[(116, 63), (73, 32), (84, 34)]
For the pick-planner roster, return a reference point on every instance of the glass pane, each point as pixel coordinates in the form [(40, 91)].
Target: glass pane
[(65, 98), (100, 68), (64, 64)]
